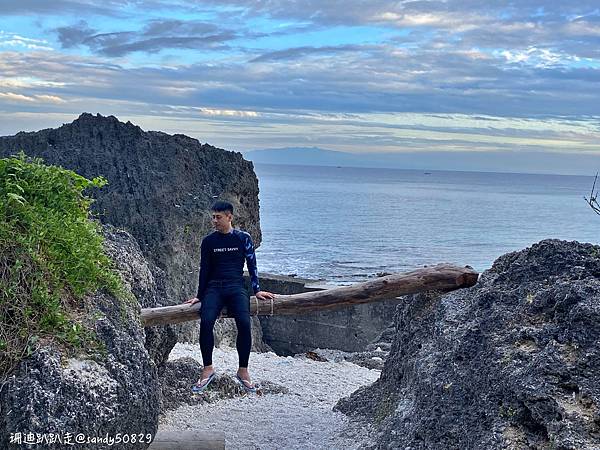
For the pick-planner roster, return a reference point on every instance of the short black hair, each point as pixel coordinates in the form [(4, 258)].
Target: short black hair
[(222, 206)]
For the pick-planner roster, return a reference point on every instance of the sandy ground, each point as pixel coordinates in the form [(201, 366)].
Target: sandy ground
[(302, 419)]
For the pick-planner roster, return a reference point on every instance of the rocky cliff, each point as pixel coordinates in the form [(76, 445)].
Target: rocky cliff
[(160, 187), (53, 393), (510, 363)]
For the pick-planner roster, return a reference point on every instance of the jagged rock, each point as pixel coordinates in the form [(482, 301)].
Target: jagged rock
[(160, 189), (147, 283), (181, 374), (510, 363), (115, 392), (176, 381)]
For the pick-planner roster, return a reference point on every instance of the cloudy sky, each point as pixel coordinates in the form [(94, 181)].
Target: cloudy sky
[(357, 76)]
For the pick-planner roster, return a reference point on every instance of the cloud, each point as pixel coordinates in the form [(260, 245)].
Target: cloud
[(570, 28), (15, 40), (334, 72), (74, 35), (20, 98), (157, 44), (109, 8), (376, 78), (11, 96), (299, 52), (227, 113), (156, 35), (172, 26), (50, 98), (447, 13)]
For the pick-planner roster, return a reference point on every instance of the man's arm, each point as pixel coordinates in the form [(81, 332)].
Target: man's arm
[(204, 269), (251, 262)]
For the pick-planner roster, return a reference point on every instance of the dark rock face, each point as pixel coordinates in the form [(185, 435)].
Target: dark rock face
[(510, 363), (147, 283), (118, 392), (160, 187), (350, 329)]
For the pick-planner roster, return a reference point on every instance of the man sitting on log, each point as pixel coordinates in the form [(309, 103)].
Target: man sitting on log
[(221, 283)]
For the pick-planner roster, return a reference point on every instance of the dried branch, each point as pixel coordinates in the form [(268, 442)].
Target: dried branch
[(592, 201)]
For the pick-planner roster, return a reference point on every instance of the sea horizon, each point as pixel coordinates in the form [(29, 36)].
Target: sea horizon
[(430, 170), (378, 220)]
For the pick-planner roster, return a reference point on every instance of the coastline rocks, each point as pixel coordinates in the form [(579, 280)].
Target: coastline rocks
[(114, 392), (510, 363)]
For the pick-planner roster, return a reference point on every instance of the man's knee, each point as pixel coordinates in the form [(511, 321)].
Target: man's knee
[(243, 322), (208, 318)]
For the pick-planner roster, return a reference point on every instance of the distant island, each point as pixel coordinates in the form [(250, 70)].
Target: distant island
[(488, 161)]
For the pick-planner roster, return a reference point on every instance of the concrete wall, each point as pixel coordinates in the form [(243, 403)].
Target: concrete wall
[(349, 329)]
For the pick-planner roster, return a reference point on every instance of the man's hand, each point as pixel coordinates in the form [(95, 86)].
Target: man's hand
[(264, 295), (192, 301)]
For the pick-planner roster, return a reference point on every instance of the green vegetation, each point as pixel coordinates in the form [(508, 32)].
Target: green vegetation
[(51, 256), (507, 412)]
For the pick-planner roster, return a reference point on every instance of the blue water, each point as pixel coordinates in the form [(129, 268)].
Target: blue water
[(347, 224)]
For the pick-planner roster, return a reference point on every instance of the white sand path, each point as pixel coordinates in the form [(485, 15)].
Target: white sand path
[(302, 419)]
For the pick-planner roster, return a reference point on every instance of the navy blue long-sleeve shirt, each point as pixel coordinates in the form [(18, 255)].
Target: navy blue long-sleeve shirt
[(222, 257)]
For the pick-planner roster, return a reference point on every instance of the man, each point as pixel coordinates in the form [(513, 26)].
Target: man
[(221, 283)]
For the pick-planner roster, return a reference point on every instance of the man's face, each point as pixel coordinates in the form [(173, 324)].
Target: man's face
[(221, 220)]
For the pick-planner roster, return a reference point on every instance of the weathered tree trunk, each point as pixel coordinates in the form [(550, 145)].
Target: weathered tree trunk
[(442, 277)]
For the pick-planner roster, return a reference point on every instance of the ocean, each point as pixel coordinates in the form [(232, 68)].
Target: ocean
[(344, 225)]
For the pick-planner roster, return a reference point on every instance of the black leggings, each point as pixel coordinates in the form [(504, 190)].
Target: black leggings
[(235, 297)]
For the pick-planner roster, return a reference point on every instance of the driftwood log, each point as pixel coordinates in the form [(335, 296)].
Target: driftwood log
[(442, 277)]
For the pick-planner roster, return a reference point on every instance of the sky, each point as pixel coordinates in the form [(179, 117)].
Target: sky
[(354, 75)]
